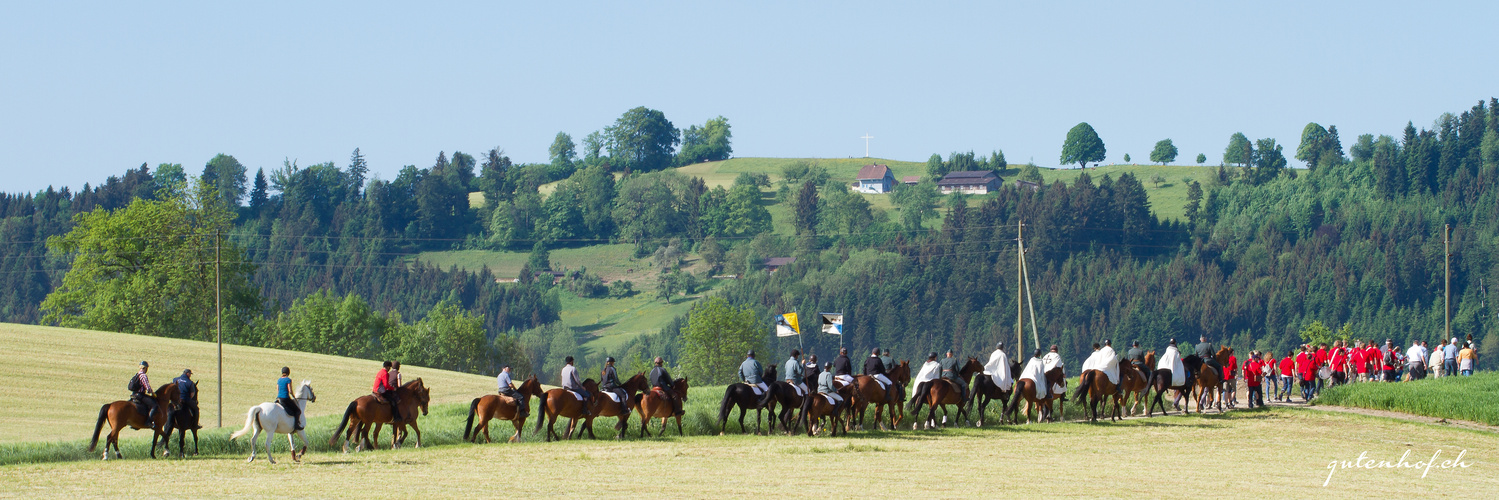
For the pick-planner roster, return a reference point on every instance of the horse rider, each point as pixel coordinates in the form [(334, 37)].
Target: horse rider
[(825, 384), (384, 393), (950, 366), (1136, 356), (889, 361), (875, 367), (843, 369), (187, 393), (930, 371), (283, 397), (753, 375), (612, 384), (812, 368), (660, 379), (1050, 361), (998, 368), (507, 389), (571, 382), (795, 375), (1204, 350), (141, 393)]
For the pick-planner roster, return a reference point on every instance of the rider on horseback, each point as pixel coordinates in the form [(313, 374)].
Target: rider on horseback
[(571, 382), (813, 369), (875, 367), (795, 375), (385, 393), (661, 380), (753, 375), (1136, 356), (187, 394), (843, 369), (825, 384), (507, 389), (612, 384), (1204, 350), (283, 397), (930, 371), (141, 393), (887, 360), (950, 366)]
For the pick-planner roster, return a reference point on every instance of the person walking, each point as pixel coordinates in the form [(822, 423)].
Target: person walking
[(1466, 359), (1252, 380), (1449, 357), (1287, 374)]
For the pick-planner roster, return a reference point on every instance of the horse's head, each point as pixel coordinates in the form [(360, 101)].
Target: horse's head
[(305, 392), (680, 387), (531, 387), (637, 383), (590, 386), (1223, 354), (423, 398), (971, 367), (901, 374), (770, 373), (1149, 359)]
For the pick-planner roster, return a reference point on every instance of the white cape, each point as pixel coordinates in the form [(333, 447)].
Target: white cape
[(1172, 360), (1105, 361), (1035, 371), (998, 368), (929, 372), (1053, 360)]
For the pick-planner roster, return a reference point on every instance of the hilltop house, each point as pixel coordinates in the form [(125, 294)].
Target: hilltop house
[(774, 263), (874, 179), (911, 180), (969, 182)]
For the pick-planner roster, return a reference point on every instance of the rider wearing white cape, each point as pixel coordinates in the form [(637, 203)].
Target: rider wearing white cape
[(930, 371), (1172, 360), (998, 368), (1035, 371), (1051, 361), (1104, 360)]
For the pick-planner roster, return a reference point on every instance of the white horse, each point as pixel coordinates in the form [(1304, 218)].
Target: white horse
[(273, 419)]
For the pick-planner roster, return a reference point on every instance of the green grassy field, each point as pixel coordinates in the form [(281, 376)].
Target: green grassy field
[(1167, 201), (1473, 398), (61, 376), (610, 262)]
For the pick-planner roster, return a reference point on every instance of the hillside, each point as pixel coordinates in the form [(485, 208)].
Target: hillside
[(60, 376)]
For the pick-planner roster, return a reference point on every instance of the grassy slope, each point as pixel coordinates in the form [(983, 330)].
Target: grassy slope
[(1473, 398), (72, 372), (1290, 452)]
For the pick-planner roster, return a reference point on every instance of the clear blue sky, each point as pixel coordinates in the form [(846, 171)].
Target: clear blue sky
[(89, 90)]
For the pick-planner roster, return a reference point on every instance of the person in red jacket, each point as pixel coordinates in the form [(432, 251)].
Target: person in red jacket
[(385, 393), (1252, 380), (1339, 362), (1230, 382), (1323, 358), (1360, 365), (1306, 371), (1287, 374)]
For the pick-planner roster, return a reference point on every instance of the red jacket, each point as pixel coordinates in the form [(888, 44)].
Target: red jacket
[(1287, 366), (1304, 366), (1359, 363), (1252, 372), (1228, 370), (382, 381)]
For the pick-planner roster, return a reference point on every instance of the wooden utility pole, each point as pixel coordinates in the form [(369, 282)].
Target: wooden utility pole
[(1019, 291), (1447, 295), (218, 310)]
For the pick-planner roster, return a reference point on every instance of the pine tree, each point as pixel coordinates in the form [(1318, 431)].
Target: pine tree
[(356, 171), (805, 208), (1194, 201), (259, 196)]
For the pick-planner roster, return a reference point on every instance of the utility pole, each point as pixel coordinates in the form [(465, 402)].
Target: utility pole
[(1447, 295), (1019, 291), (218, 307)]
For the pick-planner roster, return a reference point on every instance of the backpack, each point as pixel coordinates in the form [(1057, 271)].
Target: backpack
[(134, 385)]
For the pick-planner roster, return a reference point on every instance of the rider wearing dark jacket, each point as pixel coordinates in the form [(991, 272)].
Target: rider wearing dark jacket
[(612, 384), (142, 394), (841, 364), (187, 394), (873, 365), (660, 379)]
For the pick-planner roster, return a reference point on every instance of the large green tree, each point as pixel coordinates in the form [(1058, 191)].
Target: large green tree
[(1082, 146), (148, 268), (1164, 152), (710, 142), (563, 154), (717, 336), (804, 207), (227, 175), (1239, 150), (642, 140)]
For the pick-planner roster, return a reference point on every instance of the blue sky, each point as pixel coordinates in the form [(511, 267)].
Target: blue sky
[(91, 89)]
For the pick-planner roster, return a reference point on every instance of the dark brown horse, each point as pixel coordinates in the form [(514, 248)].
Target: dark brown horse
[(562, 402), (494, 406), (182, 418), (652, 404), (815, 407), (1160, 381), (1209, 387), (605, 407), (365, 412), (985, 391), (942, 393), (122, 414), (883, 399), (741, 395), (1025, 389)]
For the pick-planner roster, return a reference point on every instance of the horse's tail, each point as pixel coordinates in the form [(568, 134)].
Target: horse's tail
[(1083, 383), (98, 426), (472, 407), (541, 405), (353, 408), (250, 417), (1015, 396), (726, 405)]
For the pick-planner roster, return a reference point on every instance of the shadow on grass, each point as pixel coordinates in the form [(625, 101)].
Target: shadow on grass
[(588, 329)]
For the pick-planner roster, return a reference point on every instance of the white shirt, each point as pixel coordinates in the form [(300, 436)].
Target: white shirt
[(1051, 360), (1415, 355)]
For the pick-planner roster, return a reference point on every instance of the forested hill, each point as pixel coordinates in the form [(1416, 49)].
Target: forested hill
[(315, 258)]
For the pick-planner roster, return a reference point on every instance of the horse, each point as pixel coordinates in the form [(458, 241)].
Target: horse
[(883, 399), (1209, 385), (182, 419), (1025, 389), (121, 414), (816, 407), (1143, 391), (605, 407), (652, 404), (985, 391), (942, 393), (493, 406), (562, 402), (365, 411), (784, 395), (1096, 385), (272, 418), (741, 395), (1160, 381)]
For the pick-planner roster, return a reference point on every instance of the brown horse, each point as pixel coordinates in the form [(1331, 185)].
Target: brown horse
[(605, 407), (1145, 368), (942, 393), (1209, 387), (1025, 389), (985, 392), (1096, 385), (1160, 381), (494, 406), (815, 407), (562, 402), (653, 404), (366, 411), (886, 399), (121, 414)]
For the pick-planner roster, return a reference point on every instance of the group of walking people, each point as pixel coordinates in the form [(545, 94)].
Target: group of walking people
[(1310, 369)]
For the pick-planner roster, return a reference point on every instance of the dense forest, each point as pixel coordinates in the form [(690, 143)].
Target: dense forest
[(318, 256)]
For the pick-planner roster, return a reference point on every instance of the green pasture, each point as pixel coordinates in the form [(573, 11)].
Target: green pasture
[(1474, 398)]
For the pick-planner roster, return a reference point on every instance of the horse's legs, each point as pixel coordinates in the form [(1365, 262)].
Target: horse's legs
[(679, 426)]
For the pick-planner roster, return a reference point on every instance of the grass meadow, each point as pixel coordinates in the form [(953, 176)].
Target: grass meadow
[(1474, 398)]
